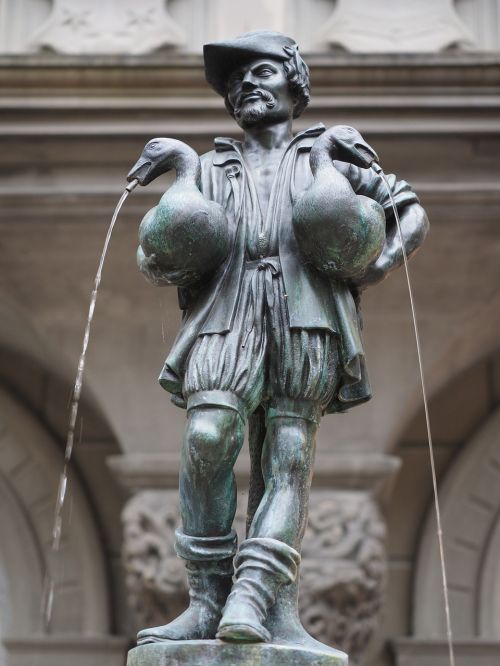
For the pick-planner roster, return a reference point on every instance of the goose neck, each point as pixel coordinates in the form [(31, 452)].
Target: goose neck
[(322, 154), (186, 163)]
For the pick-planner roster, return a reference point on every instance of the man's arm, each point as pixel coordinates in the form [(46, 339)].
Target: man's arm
[(413, 219), (414, 228)]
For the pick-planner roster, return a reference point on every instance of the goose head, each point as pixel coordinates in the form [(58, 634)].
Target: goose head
[(161, 155), (351, 147), (342, 143)]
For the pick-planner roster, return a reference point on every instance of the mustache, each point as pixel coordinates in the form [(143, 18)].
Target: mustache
[(266, 96)]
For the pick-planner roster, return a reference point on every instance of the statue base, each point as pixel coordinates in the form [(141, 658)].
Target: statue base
[(220, 653)]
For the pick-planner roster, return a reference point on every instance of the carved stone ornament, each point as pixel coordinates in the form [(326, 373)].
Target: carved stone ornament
[(127, 26), (383, 26), (343, 568)]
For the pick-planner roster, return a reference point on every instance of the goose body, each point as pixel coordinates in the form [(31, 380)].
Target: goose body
[(186, 233), (340, 233)]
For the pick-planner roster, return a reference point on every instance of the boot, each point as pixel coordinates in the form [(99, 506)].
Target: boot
[(209, 566), (263, 565)]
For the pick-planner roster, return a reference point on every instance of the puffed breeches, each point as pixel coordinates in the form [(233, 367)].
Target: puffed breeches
[(261, 360)]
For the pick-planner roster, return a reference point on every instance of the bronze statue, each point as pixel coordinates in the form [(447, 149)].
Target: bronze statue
[(270, 242)]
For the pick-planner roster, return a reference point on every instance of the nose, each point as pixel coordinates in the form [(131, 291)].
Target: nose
[(248, 82)]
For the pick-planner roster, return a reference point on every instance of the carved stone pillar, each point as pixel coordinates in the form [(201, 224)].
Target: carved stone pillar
[(344, 564)]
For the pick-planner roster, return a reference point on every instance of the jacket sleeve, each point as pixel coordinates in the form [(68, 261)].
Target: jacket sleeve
[(370, 184), (413, 219)]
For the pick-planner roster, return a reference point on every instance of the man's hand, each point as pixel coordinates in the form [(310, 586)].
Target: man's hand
[(153, 271), (148, 265)]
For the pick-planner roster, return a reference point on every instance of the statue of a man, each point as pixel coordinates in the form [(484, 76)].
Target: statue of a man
[(267, 338)]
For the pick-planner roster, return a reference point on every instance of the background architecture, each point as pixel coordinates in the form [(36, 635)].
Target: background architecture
[(84, 85)]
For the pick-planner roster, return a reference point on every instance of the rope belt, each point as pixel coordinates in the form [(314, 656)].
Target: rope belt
[(270, 268)]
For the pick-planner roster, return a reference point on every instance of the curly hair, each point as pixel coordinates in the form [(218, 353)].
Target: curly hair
[(297, 74)]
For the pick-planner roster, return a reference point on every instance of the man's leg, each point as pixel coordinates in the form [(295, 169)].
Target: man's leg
[(223, 384), (303, 374), (212, 440), (287, 464), (270, 557)]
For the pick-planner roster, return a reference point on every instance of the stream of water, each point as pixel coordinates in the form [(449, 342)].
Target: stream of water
[(449, 635), (49, 584)]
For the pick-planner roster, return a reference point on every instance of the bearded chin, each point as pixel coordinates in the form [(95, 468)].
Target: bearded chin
[(252, 114)]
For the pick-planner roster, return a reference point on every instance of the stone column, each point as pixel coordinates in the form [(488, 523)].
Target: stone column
[(344, 563)]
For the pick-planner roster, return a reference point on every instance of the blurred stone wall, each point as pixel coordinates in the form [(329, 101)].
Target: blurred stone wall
[(358, 26)]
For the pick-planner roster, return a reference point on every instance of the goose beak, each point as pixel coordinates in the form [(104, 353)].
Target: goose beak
[(365, 154), (141, 171)]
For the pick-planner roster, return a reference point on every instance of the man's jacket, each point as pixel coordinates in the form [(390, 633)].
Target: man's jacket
[(314, 301)]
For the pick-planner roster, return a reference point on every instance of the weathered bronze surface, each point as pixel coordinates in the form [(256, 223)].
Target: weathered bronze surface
[(292, 228), (215, 653)]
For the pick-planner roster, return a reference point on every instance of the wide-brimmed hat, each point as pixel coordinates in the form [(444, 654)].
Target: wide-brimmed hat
[(221, 58)]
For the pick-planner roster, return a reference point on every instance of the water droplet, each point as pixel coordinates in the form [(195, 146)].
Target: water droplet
[(56, 533), (47, 601), (62, 489)]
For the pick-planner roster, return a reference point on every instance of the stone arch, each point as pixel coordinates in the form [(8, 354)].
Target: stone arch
[(33, 369), (489, 611), (30, 464), (470, 506), (20, 557), (464, 419), (35, 383), (475, 341)]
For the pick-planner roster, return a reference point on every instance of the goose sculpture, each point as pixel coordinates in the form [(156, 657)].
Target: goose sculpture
[(186, 235), (340, 233)]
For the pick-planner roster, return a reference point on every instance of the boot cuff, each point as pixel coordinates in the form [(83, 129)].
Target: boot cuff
[(205, 548), (271, 555)]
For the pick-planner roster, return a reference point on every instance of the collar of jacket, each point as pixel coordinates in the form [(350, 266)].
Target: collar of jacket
[(229, 150)]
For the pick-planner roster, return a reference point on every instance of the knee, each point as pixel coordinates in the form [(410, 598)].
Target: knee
[(293, 452), (212, 441)]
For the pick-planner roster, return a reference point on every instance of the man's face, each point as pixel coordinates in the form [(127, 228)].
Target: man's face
[(259, 94)]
